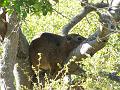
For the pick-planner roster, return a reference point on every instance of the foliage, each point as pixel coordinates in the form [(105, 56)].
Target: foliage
[(24, 7)]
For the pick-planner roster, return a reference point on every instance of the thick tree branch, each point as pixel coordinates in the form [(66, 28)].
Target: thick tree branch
[(94, 43), (15, 66), (10, 45), (87, 9), (22, 67)]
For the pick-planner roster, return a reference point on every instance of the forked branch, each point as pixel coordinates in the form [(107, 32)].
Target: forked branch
[(96, 41), (86, 10)]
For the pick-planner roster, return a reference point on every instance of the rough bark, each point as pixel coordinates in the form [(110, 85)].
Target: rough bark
[(14, 66), (22, 67), (7, 62)]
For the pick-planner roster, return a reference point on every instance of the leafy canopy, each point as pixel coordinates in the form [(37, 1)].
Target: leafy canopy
[(24, 7)]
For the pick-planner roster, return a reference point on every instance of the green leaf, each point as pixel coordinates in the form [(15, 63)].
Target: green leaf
[(4, 3), (24, 14)]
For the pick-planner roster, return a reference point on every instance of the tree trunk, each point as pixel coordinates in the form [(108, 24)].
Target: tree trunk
[(15, 66)]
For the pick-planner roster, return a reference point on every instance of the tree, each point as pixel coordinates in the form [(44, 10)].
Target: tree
[(15, 66)]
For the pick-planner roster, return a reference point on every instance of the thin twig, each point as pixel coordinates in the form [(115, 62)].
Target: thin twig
[(61, 14)]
